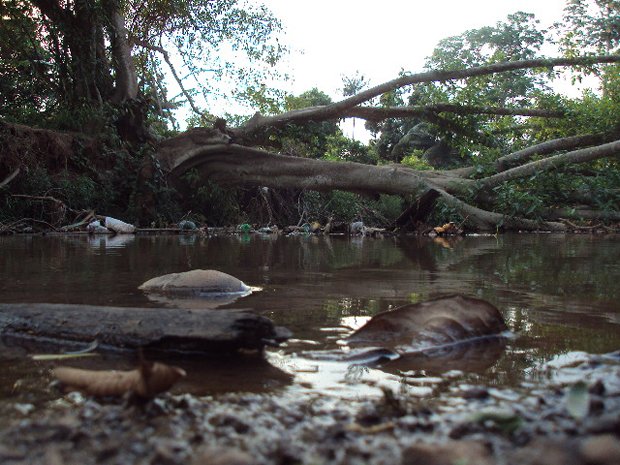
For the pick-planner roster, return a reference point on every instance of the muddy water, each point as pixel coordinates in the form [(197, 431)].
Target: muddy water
[(558, 294)]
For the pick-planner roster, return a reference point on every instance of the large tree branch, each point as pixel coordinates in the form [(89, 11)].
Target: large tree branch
[(378, 114), (488, 221), (259, 123), (126, 78), (582, 214), (236, 164), (545, 148), (611, 149)]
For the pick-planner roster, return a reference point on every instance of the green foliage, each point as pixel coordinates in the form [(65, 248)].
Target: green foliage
[(517, 38), (341, 148), (590, 26), (349, 207), (26, 86), (58, 55), (311, 139), (210, 203), (594, 185), (443, 213), (515, 199), (415, 161)]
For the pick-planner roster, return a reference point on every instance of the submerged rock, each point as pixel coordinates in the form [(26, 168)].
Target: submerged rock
[(196, 282)]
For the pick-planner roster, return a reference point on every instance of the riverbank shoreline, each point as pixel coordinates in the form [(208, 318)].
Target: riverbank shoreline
[(537, 423)]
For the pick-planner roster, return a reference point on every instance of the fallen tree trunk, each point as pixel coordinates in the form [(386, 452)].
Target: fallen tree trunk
[(152, 329), (237, 165)]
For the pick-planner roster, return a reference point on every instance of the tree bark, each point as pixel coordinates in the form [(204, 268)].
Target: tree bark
[(422, 111), (255, 128), (156, 329), (611, 149), (126, 78)]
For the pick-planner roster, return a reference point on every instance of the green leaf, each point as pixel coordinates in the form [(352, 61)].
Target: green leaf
[(578, 400), (506, 420)]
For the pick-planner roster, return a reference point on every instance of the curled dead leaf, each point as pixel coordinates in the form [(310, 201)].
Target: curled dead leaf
[(447, 228), (146, 381)]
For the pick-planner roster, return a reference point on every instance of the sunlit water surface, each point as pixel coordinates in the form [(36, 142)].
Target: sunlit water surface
[(558, 294)]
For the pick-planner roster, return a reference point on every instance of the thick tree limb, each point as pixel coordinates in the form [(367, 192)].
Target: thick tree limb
[(259, 123), (611, 149), (236, 164), (378, 114), (484, 220), (555, 145), (582, 214), (126, 79), (544, 148)]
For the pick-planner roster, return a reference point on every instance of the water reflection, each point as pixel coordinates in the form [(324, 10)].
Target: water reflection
[(469, 357), (558, 292), (106, 242)]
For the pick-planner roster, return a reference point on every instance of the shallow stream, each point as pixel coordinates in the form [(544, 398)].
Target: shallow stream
[(558, 294)]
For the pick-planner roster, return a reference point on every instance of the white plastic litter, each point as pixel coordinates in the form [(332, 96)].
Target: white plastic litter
[(119, 226), (96, 228), (357, 228)]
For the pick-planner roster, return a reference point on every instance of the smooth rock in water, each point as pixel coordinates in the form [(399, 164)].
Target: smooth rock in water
[(196, 282), (433, 324)]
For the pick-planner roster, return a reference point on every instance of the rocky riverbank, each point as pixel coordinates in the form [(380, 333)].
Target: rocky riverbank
[(567, 413)]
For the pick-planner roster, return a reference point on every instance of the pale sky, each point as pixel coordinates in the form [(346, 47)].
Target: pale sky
[(332, 38), (329, 39)]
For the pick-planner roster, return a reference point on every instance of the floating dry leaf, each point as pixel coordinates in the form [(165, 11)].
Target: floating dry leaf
[(430, 324), (374, 429), (147, 381)]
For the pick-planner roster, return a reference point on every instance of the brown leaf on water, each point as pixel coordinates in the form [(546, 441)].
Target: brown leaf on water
[(147, 381), (434, 323)]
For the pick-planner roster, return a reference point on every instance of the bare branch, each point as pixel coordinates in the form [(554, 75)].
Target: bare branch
[(555, 145), (378, 114), (489, 221), (544, 148), (173, 70), (611, 149), (336, 110), (582, 214)]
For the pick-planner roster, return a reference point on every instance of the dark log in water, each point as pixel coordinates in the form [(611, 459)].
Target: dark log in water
[(157, 329)]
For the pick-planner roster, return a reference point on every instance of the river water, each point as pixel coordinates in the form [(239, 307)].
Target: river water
[(558, 294)]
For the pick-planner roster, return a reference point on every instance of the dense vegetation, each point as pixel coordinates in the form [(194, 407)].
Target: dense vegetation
[(87, 122)]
